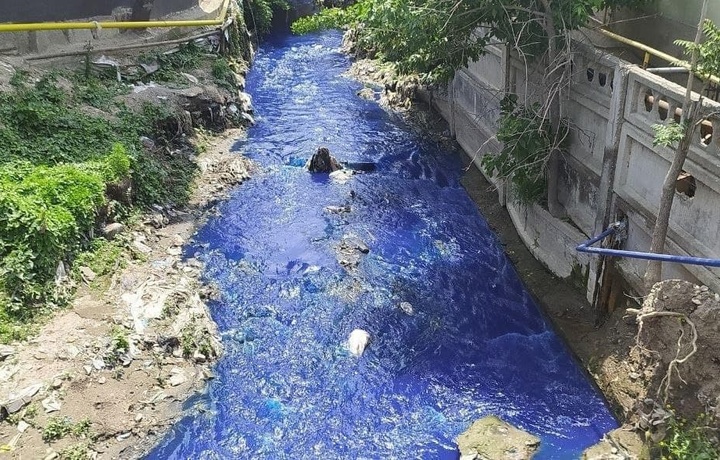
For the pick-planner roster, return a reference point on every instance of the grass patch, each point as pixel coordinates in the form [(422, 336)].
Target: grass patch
[(80, 451), (59, 427), (172, 64)]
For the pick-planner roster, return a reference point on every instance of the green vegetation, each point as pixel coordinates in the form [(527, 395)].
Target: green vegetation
[(193, 338), (188, 57), (527, 140), (259, 14), (689, 440), (59, 427), (330, 18), (223, 74), (434, 38), (80, 451), (103, 257), (56, 161)]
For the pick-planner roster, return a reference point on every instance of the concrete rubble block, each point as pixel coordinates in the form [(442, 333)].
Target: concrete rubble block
[(491, 438), (619, 444), (112, 230), (6, 351)]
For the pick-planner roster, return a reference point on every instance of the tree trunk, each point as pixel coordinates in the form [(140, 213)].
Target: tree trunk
[(554, 109), (653, 274), (654, 269)]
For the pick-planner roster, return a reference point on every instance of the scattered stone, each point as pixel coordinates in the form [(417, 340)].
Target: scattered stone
[(56, 384), (351, 243), (174, 251), (88, 369), (191, 78), (367, 93), (349, 261), (87, 274), (492, 438), (52, 456), (358, 341), (22, 426), (619, 444), (157, 397), (112, 230), (338, 209), (199, 357), (207, 374), (323, 162), (245, 101), (98, 363), (102, 380), (142, 247), (68, 353), (139, 417), (123, 436), (51, 404), (177, 377), (407, 308), (248, 118), (6, 351)]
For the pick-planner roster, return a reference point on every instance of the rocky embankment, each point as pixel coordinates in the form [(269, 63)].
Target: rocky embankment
[(107, 376)]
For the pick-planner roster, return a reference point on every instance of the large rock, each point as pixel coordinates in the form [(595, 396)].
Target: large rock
[(323, 162), (493, 439), (619, 444)]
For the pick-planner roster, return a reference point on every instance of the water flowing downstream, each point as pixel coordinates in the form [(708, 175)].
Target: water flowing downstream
[(476, 344)]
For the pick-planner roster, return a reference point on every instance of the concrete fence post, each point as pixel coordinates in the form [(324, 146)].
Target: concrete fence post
[(605, 202)]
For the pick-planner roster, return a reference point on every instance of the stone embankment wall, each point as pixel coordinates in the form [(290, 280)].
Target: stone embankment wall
[(611, 170)]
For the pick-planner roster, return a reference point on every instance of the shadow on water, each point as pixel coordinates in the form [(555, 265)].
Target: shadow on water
[(475, 344)]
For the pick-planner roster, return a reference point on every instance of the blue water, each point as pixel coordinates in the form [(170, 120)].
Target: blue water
[(286, 388)]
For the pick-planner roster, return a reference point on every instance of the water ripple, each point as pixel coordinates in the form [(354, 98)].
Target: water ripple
[(475, 345)]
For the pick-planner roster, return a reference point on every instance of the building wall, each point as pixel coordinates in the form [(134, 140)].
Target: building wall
[(66, 10), (665, 22), (611, 169)]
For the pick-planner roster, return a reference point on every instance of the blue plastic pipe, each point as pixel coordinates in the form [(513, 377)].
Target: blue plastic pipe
[(587, 247)]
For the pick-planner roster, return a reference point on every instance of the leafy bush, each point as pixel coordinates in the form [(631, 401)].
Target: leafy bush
[(259, 14), (329, 18), (689, 441), (55, 162), (59, 427), (527, 142), (433, 38), (188, 57), (45, 211)]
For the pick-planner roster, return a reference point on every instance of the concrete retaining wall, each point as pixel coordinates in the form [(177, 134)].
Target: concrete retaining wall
[(67, 10), (611, 169)]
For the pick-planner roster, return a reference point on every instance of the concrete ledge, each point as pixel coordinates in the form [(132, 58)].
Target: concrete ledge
[(550, 240)]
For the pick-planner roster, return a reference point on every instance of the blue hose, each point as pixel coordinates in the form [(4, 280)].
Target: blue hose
[(620, 227)]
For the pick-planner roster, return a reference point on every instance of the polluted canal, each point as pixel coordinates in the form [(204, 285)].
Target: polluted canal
[(301, 260)]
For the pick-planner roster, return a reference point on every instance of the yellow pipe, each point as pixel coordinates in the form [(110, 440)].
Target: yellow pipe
[(30, 26), (652, 51)]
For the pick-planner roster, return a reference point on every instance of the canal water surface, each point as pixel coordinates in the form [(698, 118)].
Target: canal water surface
[(475, 343)]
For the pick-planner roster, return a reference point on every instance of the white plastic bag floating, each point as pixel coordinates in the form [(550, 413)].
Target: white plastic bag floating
[(358, 341)]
